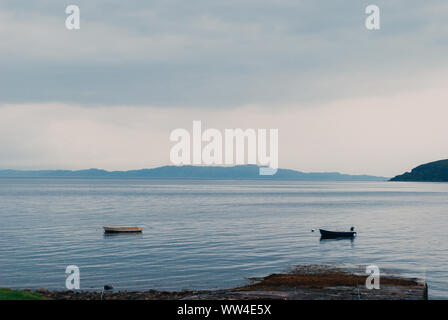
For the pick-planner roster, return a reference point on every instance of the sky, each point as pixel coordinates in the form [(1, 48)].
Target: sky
[(343, 98)]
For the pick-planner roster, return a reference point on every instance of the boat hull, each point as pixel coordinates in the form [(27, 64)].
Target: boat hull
[(122, 229), (337, 234)]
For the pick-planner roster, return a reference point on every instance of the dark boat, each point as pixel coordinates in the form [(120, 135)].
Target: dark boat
[(337, 234)]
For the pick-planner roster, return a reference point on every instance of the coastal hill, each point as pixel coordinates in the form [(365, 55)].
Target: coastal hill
[(191, 172), (436, 171)]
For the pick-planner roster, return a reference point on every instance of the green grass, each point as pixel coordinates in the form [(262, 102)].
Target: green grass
[(8, 294)]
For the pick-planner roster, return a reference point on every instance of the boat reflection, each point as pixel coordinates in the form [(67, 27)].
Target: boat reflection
[(324, 240), (122, 235)]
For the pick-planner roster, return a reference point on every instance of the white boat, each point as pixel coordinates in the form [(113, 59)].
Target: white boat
[(122, 229)]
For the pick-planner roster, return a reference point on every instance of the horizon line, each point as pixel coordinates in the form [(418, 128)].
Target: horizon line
[(194, 166)]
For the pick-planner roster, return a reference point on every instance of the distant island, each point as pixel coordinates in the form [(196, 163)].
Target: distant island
[(192, 172), (436, 171)]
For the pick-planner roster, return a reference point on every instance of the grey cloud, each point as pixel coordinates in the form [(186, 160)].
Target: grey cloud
[(216, 53)]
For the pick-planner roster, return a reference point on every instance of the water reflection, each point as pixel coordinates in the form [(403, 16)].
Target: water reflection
[(122, 235), (324, 240)]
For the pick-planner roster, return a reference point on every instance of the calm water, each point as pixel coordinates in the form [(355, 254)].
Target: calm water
[(213, 234)]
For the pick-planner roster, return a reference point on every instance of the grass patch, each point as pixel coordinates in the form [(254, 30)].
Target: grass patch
[(8, 294)]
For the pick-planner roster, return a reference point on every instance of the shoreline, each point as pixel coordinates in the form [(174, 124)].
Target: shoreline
[(315, 282)]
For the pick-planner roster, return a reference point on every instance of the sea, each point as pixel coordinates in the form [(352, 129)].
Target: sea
[(215, 234)]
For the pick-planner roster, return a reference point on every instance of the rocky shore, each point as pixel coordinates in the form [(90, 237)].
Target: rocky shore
[(302, 283)]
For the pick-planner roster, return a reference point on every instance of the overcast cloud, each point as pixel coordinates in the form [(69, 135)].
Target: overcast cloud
[(234, 62), (217, 53)]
